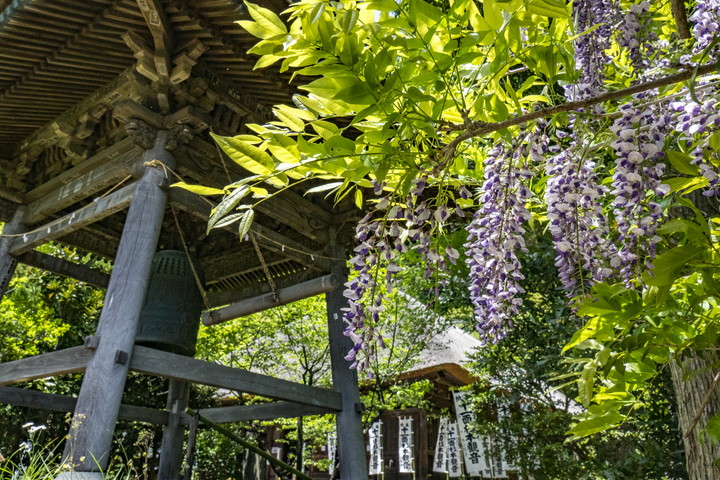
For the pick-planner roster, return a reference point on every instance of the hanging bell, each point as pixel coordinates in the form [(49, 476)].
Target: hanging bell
[(170, 318)]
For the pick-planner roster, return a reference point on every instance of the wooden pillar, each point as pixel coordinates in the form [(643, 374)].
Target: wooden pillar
[(350, 438), (93, 424), (171, 451), (7, 261)]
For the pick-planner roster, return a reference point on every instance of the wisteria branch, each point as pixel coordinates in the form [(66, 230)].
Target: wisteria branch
[(476, 129)]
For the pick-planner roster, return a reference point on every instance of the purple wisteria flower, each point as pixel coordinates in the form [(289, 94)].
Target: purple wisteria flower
[(640, 139), (634, 34), (573, 196), (706, 25), (590, 56), (395, 225), (694, 120), (496, 235)]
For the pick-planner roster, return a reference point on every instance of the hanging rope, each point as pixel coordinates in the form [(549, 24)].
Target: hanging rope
[(200, 286), (271, 282)]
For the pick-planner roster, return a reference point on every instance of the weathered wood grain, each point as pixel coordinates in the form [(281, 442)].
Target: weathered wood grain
[(7, 261), (109, 154), (70, 360), (262, 411), (102, 177), (171, 450), (93, 423), (283, 296), (63, 403), (93, 212), (65, 268), (170, 365)]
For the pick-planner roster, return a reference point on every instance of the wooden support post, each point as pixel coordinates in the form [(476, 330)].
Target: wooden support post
[(171, 451), (92, 427), (7, 261), (351, 441)]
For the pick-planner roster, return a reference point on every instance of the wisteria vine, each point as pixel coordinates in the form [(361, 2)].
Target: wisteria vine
[(602, 231)]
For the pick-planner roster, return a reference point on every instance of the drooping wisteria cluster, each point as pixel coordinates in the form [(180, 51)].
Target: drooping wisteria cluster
[(395, 226), (496, 235), (573, 195), (706, 25), (640, 139), (591, 245), (590, 56), (693, 119), (635, 36)]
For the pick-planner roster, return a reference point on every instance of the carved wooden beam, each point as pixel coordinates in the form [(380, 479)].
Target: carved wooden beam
[(170, 365), (218, 298), (128, 85), (93, 212), (104, 176), (107, 155)]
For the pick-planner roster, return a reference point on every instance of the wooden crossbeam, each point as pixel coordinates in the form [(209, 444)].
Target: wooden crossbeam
[(262, 411), (170, 365), (65, 268), (63, 403), (283, 296), (106, 175), (93, 212), (70, 360)]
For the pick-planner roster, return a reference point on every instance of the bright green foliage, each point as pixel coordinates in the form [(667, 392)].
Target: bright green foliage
[(528, 372), (404, 77), (629, 337)]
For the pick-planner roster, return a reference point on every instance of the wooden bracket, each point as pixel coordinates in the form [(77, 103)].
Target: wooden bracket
[(121, 357), (92, 342)]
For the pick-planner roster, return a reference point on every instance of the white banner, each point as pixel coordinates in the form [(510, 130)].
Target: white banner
[(440, 458), (376, 453), (332, 448), (454, 459), (471, 445), (405, 446)]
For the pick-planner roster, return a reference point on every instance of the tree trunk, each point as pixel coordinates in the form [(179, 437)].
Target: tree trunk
[(693, 378)]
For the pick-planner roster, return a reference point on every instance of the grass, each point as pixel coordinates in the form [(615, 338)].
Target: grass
[(36, 459)]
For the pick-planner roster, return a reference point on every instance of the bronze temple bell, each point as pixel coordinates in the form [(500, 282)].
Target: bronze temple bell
[(170, 318)]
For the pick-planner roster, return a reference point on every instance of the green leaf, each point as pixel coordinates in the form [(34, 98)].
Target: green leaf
[(245, 223), (226, 206), (250, 157), (668, 266), (549, 8), (324, 188), (596, 423), (266, 19), (199, 189), (682, 163)]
